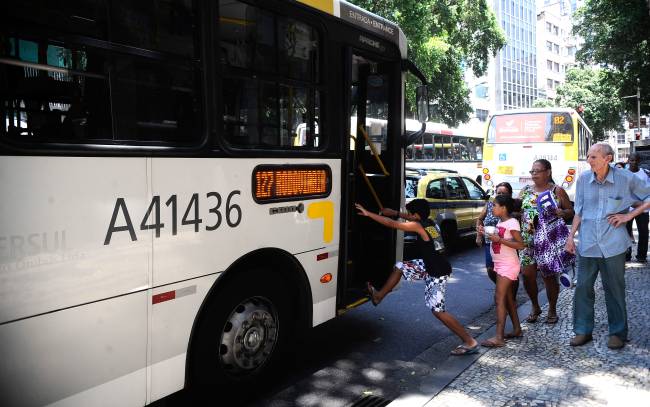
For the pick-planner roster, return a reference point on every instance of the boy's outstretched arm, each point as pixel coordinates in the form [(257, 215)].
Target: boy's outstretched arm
[(405, 226)]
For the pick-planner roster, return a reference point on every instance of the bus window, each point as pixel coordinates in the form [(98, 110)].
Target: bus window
[(428, 148), (260, 111), (454, 148), (68, 92), (440, 152)]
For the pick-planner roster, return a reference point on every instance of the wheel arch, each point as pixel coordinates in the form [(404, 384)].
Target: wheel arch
[(276, 260)]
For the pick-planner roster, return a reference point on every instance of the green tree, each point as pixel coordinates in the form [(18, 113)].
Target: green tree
[(596, 90), (444, 37), (543, 103), (616, 34)]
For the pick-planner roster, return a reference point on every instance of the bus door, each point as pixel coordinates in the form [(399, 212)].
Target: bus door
[(374, 167)]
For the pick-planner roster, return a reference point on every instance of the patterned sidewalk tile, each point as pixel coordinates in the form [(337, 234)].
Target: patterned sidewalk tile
[(541, 369)]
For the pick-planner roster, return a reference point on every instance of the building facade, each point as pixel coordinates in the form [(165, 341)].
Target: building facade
[(556, 46)]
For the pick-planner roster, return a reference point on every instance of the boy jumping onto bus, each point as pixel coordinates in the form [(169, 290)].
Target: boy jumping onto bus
[(431, 267)]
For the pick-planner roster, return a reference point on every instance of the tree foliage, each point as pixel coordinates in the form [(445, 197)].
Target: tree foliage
[(596, 90), (443, 37), (616, 35)]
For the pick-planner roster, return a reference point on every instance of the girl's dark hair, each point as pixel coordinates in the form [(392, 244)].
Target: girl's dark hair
[(547, 166), (506, 185), (419, 206), (506, 201)]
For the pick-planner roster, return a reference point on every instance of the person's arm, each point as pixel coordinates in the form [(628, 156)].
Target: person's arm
[(388, 222), (479, 225), (570, 245), (619, 219), (639, 189), (481, 218), (565, 209), (393, 212), (517, 242)]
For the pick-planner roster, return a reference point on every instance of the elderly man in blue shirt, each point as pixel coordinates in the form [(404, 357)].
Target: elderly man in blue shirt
[(603, 198)]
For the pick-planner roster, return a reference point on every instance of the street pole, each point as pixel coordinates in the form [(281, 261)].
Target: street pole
[(638, 109)]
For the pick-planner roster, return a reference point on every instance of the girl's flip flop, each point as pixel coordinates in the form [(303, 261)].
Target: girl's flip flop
[(463, 349)]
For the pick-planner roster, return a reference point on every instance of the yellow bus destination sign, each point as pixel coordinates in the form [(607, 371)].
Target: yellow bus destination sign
[(277, 183)]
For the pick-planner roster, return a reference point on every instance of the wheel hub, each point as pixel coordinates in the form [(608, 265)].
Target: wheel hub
[(249, 336)]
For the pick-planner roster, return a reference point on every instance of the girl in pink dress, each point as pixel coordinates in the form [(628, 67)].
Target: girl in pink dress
[(505, 243)]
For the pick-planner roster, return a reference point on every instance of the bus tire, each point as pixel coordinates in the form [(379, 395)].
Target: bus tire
[(449, 234), (240, 338)]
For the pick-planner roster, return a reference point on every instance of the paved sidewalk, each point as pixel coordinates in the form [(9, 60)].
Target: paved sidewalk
[(541, 369)]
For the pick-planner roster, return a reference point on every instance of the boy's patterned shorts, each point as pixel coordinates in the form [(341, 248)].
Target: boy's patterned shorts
[(434, 287)]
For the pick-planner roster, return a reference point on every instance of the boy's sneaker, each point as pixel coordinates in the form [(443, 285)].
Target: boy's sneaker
[(644, 260)]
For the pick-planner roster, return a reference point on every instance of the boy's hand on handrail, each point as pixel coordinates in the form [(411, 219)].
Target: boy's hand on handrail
[(362, 211)]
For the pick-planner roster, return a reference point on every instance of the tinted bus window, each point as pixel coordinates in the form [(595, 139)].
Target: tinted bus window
[(270, 100), (61, 88)]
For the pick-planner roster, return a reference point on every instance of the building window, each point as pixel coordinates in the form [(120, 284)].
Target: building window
[(556, 67), (548, 27), (549, 83), (549, 64), (482, 114), (556, 49), (549, 46)]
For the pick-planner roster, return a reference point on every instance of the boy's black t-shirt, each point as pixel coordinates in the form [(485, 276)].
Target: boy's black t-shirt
[(436, 264)]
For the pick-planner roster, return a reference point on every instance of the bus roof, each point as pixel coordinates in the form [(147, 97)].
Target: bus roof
[(568, 110), (363, 19), (432, 128), (535, 110)]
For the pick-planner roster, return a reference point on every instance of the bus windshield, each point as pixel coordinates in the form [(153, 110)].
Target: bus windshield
[(554, 127)]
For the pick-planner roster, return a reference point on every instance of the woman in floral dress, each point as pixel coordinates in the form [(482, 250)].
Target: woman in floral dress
[(542, 181)]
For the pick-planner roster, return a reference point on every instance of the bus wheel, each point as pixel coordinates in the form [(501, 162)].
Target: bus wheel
[(449, 235), (239, 340)]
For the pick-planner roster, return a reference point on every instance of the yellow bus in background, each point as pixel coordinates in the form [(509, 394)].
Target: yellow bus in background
[(514, 139)]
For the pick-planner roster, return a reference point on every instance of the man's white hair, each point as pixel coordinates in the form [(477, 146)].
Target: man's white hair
[(605, 149)]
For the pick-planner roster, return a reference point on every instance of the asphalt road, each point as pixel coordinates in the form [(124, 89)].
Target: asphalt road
[(367, 350)]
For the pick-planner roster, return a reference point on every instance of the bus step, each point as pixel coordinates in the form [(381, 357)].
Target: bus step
[(371, 401)]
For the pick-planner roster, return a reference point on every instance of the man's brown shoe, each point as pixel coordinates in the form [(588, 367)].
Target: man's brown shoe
[(580, 340), (615, 342)]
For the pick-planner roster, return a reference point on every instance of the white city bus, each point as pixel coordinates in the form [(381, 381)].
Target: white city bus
[(516, 138), (177, 189), (444, 148)]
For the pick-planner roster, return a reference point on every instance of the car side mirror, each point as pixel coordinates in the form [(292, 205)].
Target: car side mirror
[(488, 193)]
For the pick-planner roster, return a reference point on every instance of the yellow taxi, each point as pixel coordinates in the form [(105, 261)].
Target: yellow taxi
[(456, 201)]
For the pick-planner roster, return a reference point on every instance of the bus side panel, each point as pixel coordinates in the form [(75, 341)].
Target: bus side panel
[(59, 278), (89, 355), (195, 255), (222, 191), (318, 264), (56, 217), (171, 326)]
